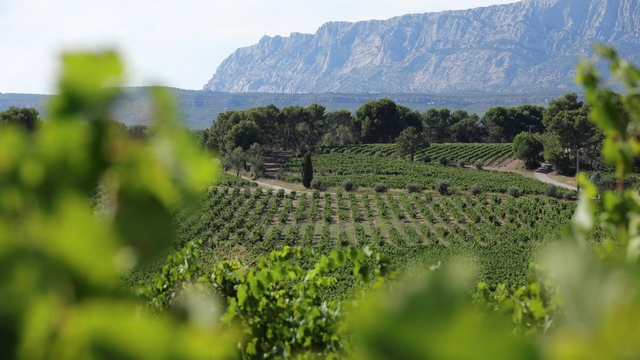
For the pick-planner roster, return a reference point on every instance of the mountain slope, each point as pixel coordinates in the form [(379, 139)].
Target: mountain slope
[(505, 48)]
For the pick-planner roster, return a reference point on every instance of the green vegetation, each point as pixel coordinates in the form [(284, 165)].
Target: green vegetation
[(236, 289), (26, 118), (307, 170), (366, 171), (527, 147), (470, 153), (409, 228)]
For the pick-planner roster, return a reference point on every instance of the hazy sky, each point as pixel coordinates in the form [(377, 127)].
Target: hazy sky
[(177, 43)]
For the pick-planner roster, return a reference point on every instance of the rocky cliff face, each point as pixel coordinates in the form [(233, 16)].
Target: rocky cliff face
[(528, 45)]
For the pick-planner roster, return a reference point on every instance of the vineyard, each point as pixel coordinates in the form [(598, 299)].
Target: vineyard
[(501, 232), (366, 171), (470, 153)]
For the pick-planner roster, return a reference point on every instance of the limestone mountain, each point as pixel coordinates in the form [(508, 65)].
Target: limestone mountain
[(519, 47)]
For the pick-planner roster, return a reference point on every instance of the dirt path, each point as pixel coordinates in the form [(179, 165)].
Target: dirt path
[(266, 185), (541, 174)]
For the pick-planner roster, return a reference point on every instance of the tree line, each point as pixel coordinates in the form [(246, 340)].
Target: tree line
[(297, 128), (555, 133), (564, 123)]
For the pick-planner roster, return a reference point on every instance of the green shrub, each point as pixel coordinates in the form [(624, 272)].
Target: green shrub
[(476, 190), (413, 188), (316, 184), (570, 195), (552, 191), (478, 164), (380, 188), (348, 185), (514, 191), (444, 161), (426, 159), (462, 163), (442, 187)]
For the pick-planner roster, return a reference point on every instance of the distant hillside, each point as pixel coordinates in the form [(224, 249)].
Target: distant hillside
[(200, 108), (532, 44)]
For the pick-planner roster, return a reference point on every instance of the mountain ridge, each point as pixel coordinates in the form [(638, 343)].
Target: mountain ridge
[(499, 48)]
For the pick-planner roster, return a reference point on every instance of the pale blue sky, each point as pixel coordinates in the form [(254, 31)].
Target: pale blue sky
[(177, 43)]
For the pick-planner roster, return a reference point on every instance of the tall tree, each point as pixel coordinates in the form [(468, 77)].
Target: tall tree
[(568, 118), (554, 153), (496, 120), (525, 116), (436, 124), (378, 122), (243, 135), (527, 147), (469, 130), (307, 170), (235, 159), (410, 141)]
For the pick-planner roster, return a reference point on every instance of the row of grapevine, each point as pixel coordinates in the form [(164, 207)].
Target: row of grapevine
[(470, 153), (412, 226), (366, 172)]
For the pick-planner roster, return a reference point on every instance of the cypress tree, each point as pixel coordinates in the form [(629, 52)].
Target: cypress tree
[(307, 170)]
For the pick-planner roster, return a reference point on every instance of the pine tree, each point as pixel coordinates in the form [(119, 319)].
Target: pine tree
[(307, 170)]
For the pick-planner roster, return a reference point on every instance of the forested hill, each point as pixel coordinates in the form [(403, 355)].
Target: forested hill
[(502, 48), (200, 108)]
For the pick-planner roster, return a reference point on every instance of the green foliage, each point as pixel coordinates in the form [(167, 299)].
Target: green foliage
[(555, 154), (527, 147), (533, 307), (366, 171), (26, 118), (380, 188), (413, 188), (436, 124), (442, 187), (503, 124), (409, 142), (277, 304), (514, 191), (468, 130), (381, 121), (476, 190), (487, 153), (235, 159), (61, 263), (348, 185), (307, 170), (478, 164), (552, 191)]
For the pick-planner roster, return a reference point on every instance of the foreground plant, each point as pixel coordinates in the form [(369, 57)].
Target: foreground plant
[(60, 263)]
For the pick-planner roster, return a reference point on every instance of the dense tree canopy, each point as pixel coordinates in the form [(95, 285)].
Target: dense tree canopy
[(527, 147), (27, 118), (381, 121), (301, 129), (468, 130), (410, 141)]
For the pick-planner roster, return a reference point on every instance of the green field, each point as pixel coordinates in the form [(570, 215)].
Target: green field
[(366, 171), (501, 232), (470, 153)]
